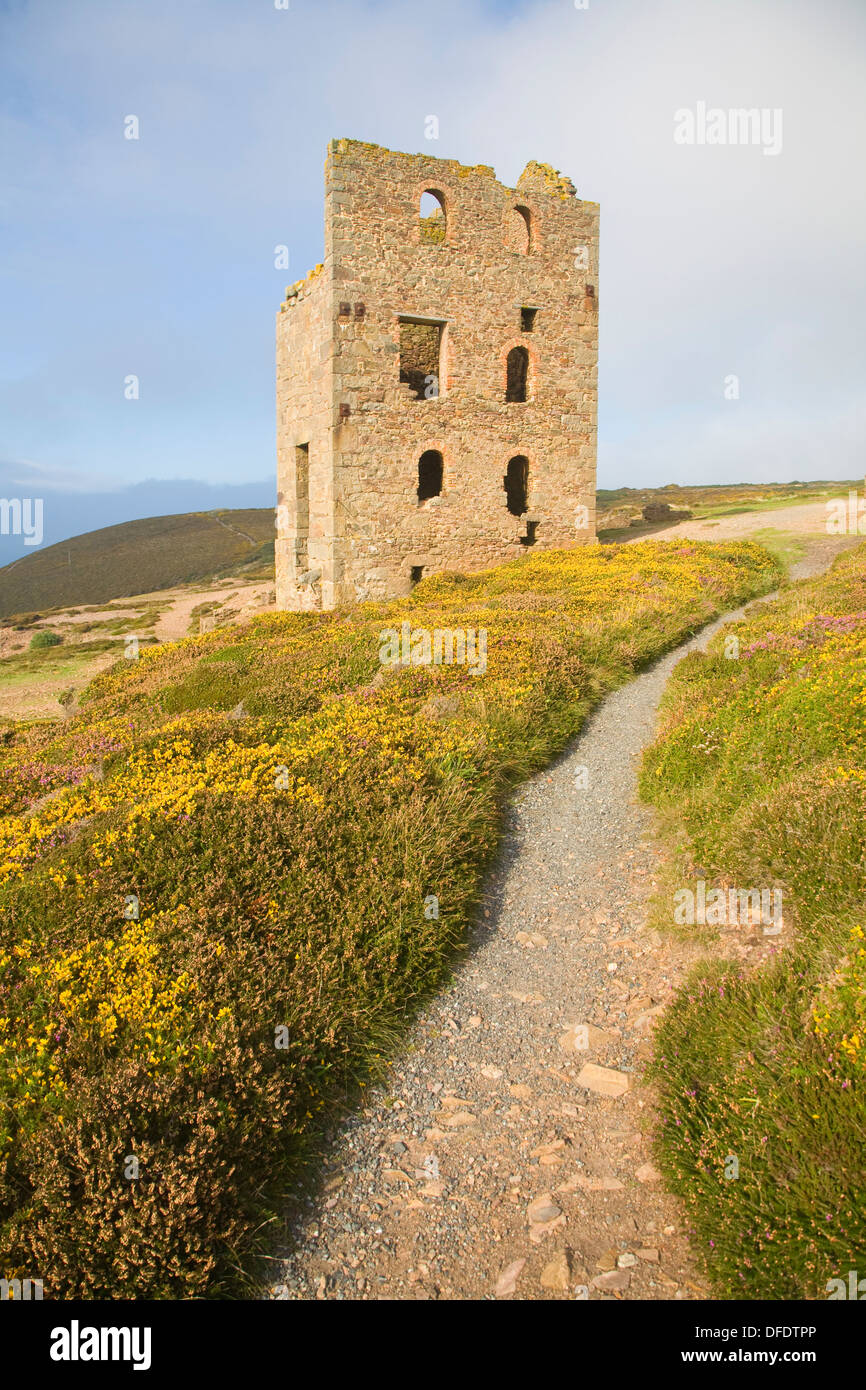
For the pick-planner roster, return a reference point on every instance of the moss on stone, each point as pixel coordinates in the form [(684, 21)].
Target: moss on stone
[(549, 179), (433, 227)]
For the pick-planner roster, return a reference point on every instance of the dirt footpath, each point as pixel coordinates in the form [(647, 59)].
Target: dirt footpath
[(807, 522)]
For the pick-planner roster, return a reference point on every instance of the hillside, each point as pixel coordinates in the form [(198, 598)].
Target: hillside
[(139, 557), (230, 878)]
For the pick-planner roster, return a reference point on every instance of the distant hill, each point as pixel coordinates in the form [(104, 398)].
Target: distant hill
[(138, 557), (73, 509)]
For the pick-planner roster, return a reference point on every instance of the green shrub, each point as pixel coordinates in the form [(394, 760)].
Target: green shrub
[(44, 638)]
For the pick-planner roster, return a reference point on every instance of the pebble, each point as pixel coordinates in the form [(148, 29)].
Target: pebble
[(542, 1210), (648, 1173), (507, 1281), (604, 1080), (556, 1275), (614, 1279)]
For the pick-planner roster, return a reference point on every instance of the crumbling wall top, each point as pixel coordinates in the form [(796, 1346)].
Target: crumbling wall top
[(536, 177), (297, 290), (543, 178), (365, 150)]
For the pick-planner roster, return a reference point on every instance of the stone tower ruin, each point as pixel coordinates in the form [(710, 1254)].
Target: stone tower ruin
[(436, 377)]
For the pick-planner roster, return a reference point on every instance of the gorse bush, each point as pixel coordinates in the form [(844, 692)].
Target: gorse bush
[(762, 761), (214, 878), (44, 638)]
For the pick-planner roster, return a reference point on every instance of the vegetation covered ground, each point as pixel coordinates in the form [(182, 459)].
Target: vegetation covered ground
[(217, 887), (760, 766)]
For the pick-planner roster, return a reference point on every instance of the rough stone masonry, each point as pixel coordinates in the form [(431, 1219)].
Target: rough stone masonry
[(436, 377)]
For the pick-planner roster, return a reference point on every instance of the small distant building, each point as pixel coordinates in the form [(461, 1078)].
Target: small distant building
[(436, 377)]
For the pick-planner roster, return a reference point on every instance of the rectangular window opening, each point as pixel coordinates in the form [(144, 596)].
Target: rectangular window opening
[(527, 319), (302, 506), (416, 574), (517, 373), (420, 354)]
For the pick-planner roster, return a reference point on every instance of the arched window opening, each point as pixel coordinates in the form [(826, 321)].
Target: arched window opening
[(516, 374), (516, 484), (431, 216), (429, 475), (520, 230)]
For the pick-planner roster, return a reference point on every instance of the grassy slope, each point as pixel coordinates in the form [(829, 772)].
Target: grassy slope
[(52, 663), (76, 659), (761, 761), (282, 862), (137, 557)]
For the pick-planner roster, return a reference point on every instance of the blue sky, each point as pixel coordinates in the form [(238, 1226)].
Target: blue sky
[(155, 257)]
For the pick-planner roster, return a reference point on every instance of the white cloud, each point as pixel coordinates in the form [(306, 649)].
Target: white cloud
[(25, 478)]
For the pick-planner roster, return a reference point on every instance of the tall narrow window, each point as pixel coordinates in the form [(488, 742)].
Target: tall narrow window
[(420, 350), (302, 505), (429, 475), (520, 230), (431, 216), (516, 375), (516, 484)]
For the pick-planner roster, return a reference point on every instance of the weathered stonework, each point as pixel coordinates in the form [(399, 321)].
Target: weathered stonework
[(395, 293)]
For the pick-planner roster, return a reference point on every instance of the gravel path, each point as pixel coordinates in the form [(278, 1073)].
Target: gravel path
[(246, 598), (494, 1164), (806, 519)]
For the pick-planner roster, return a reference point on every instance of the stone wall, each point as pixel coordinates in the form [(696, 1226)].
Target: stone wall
[(305, 350), (339, 386)]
